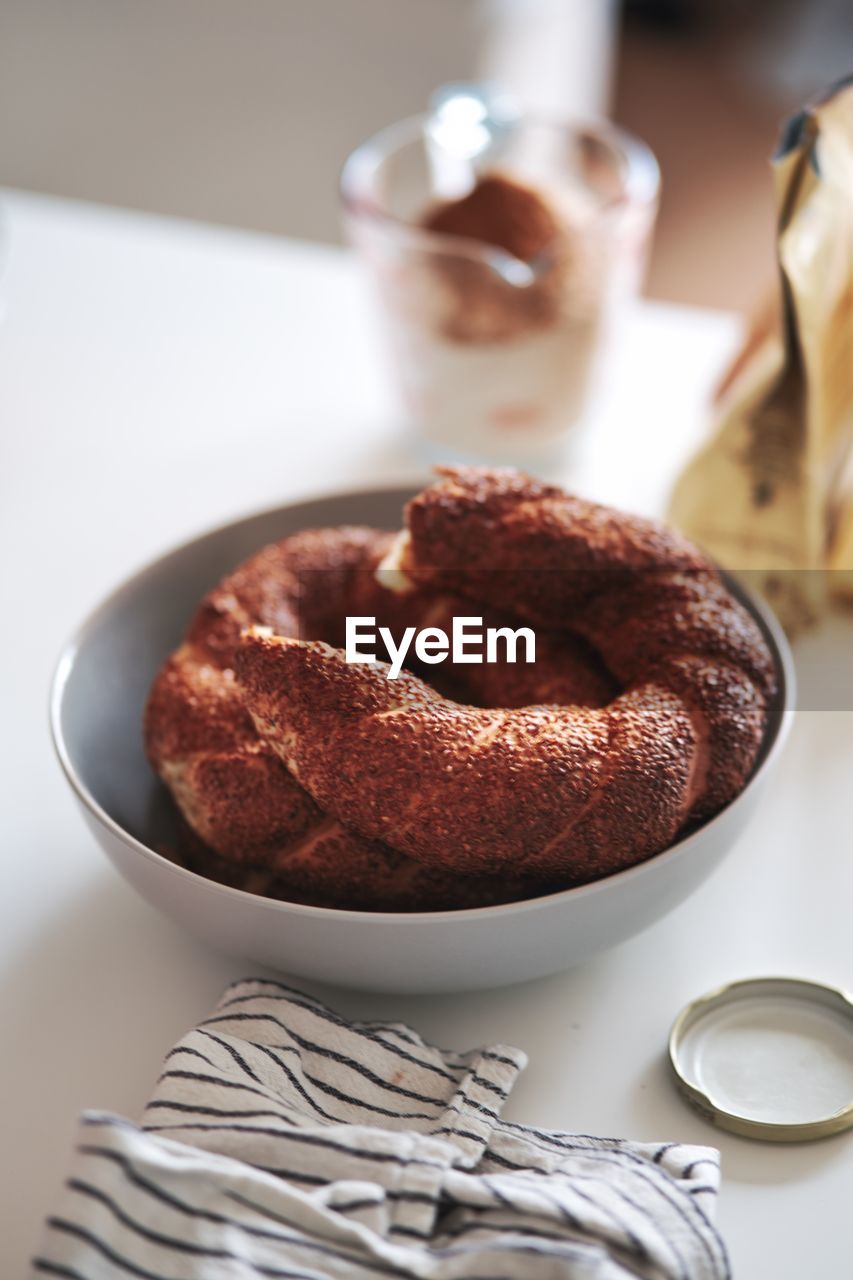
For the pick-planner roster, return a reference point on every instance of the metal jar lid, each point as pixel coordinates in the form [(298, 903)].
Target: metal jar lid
[(768, 1058)]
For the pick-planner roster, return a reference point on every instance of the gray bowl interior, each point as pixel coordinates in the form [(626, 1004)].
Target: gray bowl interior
[(106, 672)]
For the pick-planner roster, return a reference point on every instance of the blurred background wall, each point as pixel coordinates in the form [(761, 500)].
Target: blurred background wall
[(242, 111)]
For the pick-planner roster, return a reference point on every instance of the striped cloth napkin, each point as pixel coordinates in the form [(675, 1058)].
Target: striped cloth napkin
[(284, 1141)]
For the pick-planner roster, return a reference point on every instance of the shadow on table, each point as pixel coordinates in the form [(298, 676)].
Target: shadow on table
[(744, 1160)]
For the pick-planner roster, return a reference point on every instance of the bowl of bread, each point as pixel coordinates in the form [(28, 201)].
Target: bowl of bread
[(423, 741)]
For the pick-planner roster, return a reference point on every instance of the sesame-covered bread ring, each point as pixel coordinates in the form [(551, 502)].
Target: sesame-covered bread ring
[(546, 790), (249, 822)]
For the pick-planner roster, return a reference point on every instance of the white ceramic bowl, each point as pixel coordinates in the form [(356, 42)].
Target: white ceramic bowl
[(97, 698)]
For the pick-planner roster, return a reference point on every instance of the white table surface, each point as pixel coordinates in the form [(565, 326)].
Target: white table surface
[(157, 377)]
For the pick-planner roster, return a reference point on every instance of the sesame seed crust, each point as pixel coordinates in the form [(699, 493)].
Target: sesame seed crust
[(643, 714)]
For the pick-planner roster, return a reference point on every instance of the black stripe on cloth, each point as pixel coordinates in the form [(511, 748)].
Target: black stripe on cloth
[(196, 1109), (464, 1069), (696, 1191), (490, 1085), (360, 1069), (262, 1131), (369, 1264), (223, 1082), (492, 1055), (74, 1229), (719, 1251), (184, 1246), (195, 1053), (388, 1193), (636, 1243), (139, 1228), (356, 1206), (332, 1091), (89, 1237), (442, 1108), (56, 1269), (631, 1243), (662, 1150), (580, 1148), (333, 1055), (236, 1055), (359, 1028), (368, 1029), (586, 1144), (492, 1225), (558, 1135), (498, 1195), (309, 1139), (470, 1135), (453, 1108), (687, 1171), (154, 1189), (376, 1032), (472, 1102), (571, 1219), (413, 1233), (649, 1174), (133, 1175), (548, 1249), (638, 1208), (635, 1247), (288, 1175), (402, 1032), (294, 1081), (465, 1112), (573, 1176)]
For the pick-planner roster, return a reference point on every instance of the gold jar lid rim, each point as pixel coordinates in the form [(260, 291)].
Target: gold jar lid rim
[(768, 1058)]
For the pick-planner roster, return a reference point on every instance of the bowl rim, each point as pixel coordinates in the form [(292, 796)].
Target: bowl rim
[(771, 747)]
